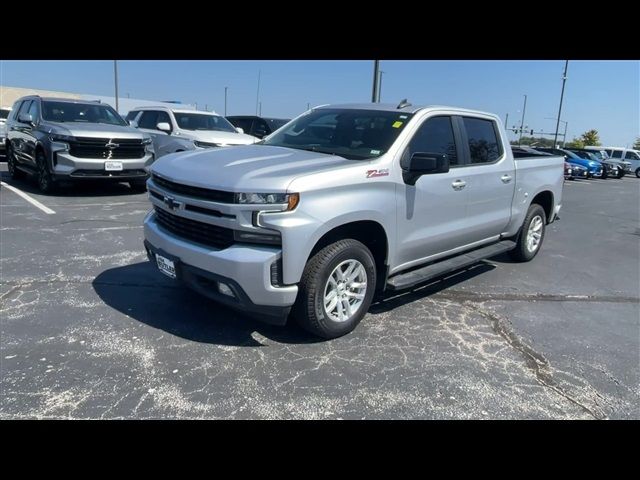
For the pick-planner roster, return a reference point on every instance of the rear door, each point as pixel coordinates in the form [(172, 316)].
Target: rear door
[(490, 174)]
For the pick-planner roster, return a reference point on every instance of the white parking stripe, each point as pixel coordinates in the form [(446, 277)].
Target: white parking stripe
[(32, 201)]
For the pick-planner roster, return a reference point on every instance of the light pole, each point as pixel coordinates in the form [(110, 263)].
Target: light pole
[(564, 80), (258, 92), (524, 109), (115, 76), (564, 136), (225, 101), (380, 87), (308, 106), (376, 78)]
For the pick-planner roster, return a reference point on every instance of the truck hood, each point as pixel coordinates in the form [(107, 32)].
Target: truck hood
[(251, 168), (222, 138), (93, 130)]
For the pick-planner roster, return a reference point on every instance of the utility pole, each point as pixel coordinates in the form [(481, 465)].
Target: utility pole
[(115, 76), (259, 109), (380, 87), (564, 80), (506, 121), (308, 106), (376, 77), (564, 137), (225, 101), (524, 108), (258, 92)]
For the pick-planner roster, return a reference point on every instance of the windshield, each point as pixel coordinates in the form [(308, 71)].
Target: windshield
[(203, 121), (80, 112), (572, 155), (352, 134), (4, 113), (275, 123)]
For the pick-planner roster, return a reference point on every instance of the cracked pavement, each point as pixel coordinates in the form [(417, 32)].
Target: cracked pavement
[(89, 329)]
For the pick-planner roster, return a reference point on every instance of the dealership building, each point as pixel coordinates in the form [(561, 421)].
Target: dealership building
[(8, 95)]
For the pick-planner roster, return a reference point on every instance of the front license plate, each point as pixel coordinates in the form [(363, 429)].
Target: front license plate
[(166, 266), (113, 166)]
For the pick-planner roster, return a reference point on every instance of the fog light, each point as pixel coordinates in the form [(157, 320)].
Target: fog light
[(225, 290)]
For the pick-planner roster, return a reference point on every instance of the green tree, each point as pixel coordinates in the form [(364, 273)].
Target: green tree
[(575, 143), (636, 146), (590, 137)]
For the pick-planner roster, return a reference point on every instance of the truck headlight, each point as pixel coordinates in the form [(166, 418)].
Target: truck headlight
[(291, 199), (148, 145), (200, 144)]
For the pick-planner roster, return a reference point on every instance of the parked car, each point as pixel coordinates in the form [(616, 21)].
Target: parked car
[(4, 113), (257, 126), (205, 129), (315, 225), (578, 171), (614, 168), (62, 139), (627, 154), (603, 156), (594, 168)]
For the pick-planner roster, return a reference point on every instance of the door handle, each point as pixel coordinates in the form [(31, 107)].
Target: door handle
[(458, 184), (505, 178)]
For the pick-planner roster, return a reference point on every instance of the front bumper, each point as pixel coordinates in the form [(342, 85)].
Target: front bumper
[(246, 269), (66, 166)]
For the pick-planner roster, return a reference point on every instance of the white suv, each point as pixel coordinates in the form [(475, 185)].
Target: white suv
[(206, 129), (626, 154)]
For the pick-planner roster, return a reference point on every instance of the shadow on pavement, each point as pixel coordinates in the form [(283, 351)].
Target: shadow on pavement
[(82, 188), (142, 293)]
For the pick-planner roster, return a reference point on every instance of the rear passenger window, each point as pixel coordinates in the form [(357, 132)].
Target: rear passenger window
[(484, 145), (435, 136)]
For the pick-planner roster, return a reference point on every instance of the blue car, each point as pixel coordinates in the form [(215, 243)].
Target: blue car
[(594, 167)]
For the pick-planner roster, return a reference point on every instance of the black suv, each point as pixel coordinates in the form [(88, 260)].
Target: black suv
[(63, 139), (257, 126)]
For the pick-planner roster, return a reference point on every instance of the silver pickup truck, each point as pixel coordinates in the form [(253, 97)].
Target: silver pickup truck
[(343, 203)]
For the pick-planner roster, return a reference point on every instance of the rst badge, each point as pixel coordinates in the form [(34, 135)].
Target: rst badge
[(383, 172)]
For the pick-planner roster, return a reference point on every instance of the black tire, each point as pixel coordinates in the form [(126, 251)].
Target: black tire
[(139, 186), (604, 175), (14, 172), (620, 173), (638, 172), (46, 183), (521, 253), (309, 310)]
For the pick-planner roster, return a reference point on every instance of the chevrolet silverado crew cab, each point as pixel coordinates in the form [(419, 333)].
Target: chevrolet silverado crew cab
[(345, 202), (62, 139)]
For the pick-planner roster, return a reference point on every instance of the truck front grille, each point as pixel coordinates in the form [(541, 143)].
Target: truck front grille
[(204, 233), (195, 192), (119, 148)]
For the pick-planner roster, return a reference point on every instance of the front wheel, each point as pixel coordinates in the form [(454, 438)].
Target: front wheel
[(638, 172), (46, 184), (336, 289), (138, 186), (531, 235)]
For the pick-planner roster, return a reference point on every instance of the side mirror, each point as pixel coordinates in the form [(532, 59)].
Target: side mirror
[(133, 123), (424, 163), (239, 130), (164, 126), (25, 118)]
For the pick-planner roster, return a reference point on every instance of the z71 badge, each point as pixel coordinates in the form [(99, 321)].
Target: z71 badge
[(383, 172)]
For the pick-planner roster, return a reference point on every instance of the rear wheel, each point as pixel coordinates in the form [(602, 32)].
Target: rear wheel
[(14, 172), (46, 184), (336, 289), (620, 173), (531, 235)]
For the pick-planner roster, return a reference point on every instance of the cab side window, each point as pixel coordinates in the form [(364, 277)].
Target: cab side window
[(149, 120), (434, 136), (631, 156), (34, 110), (484, 145)]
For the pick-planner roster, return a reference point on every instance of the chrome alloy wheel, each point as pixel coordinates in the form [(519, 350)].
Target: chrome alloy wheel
[(534, 234), (345, 290)]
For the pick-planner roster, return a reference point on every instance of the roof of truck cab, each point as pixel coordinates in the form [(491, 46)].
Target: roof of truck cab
[(176, 110), (59, 99), (393, 107)]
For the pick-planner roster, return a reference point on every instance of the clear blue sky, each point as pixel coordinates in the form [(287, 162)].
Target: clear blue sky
[(604, 95)]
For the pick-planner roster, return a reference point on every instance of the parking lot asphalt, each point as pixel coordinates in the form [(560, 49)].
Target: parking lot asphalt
[(89, 329)]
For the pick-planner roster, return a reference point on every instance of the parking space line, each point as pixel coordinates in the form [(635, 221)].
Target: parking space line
[(32, 201)]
